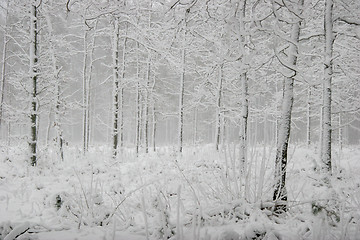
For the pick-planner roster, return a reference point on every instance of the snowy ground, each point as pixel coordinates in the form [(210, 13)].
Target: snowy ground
[(200, 195)]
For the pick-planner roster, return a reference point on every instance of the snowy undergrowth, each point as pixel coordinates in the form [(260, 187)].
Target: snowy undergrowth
[(200, 195)]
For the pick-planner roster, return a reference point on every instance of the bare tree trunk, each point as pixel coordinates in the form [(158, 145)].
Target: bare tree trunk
[(218, 109), (121, 97), (154, 125), (280, 193), (85, 94), (195, 126), (138, 118), (244, 97), (3, 67), (34, 77), (340, 132), (56, 71), (308, 118), (138, 104), (328, 71), (116, 87), (146, 107), (181, 91), (89, 92), (244, 120)]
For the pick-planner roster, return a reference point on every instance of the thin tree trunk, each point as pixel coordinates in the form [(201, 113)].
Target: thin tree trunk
[(116, 87), (328, 71), (181, 91), (85, 93), (138, 103), (138, 118), (195, 126), (154, 125), (121, 97), (34, 76), (89, 95), (218, 109), (280, 193), (340, 132), (146, 107), (308, 118), (48, 129)]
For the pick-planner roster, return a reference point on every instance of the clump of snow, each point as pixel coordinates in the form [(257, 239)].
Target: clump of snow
[(229, 234)]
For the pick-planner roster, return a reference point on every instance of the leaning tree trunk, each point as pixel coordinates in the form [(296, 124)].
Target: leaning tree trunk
[(328, 71), (34, 77), (280, 193), (3, 67)]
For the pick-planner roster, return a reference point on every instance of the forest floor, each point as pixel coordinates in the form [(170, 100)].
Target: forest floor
[(201, 195)]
